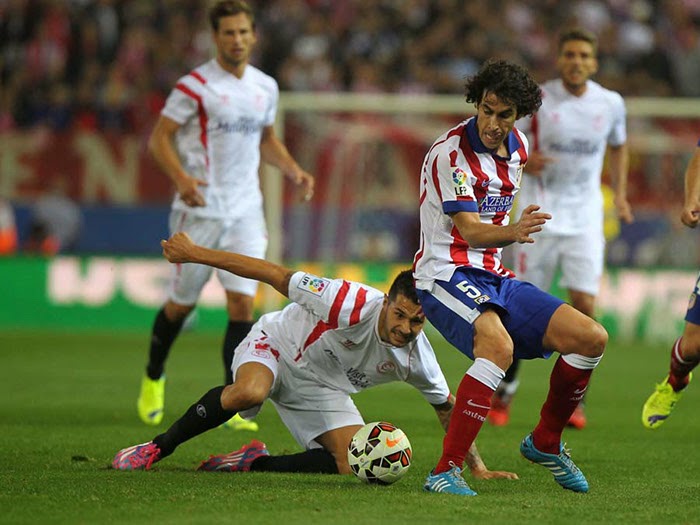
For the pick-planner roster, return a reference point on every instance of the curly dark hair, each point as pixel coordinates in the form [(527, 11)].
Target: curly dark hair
[(509, 82), (403, 284)]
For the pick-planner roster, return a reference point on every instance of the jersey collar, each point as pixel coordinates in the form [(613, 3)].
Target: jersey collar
[(472, 136)]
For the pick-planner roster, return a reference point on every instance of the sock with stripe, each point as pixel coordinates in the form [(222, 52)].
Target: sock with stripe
[(205, 414), (567, 386), (678, 376), (472, 404)]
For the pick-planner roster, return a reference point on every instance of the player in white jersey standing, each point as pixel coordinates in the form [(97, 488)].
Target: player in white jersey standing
[(216, 126), (578, 122), (685, 354), (336, 338), (468, 183)]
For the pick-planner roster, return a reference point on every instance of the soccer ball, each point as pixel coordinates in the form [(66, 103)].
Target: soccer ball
[(379, 453)]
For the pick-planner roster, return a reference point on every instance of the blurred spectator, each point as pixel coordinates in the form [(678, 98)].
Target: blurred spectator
[(8, 228), (55, 223), (106, 58)]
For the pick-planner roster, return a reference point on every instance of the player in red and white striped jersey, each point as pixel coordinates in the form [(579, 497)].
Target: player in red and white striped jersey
[(336, 338), (468, 182), (215, 128)]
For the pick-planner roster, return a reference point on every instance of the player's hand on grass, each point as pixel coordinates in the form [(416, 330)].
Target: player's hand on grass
[(493, 474), (188, 188), (531, 221), (178, 248)]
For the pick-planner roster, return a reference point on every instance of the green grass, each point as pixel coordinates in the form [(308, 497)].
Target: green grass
[(68, 405)]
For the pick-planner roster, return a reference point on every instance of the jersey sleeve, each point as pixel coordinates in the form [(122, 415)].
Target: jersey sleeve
[(426, 375), (337, 301), (455, 181), (271, 112), (618, 132), (183, 101)]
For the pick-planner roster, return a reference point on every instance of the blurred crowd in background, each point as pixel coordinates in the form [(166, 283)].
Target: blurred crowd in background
[(108, 64), (104, 67)]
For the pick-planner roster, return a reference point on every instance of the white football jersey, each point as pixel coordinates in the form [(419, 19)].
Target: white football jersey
[(330, 331), (575, 132), (222, 119), (460, 174)]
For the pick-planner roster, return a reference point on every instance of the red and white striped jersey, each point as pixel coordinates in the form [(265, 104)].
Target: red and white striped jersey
[(460, 174), (222, 119), (330, 332)]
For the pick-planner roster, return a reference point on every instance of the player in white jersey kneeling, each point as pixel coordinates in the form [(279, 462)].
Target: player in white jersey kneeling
[(336, 338), (579, 121)]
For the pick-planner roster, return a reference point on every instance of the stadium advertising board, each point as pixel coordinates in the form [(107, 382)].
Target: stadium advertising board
[(122, 293)]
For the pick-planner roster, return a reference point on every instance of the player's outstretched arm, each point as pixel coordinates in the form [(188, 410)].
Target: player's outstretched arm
[(473, 459), (180, 249)]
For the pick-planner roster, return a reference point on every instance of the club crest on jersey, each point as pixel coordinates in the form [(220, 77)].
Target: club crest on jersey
[(312, 284), (496, 203), (386, 367), (459, 179)]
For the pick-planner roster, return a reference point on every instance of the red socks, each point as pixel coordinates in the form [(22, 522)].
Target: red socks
[(471, 407), (567, 385), (680, 368)]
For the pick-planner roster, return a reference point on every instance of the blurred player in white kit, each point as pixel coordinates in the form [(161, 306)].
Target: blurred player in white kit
[(578, 122), (215, 128)]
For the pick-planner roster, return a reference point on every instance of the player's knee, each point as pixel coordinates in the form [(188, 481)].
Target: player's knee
[(690, 347), (498, 349), (243, 396), (595, 339), (176, 312)]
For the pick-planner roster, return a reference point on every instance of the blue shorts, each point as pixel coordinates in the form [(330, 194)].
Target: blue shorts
[(525, 310), (693, 313)]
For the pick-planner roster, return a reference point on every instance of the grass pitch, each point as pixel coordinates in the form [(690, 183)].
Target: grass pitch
[(69, 405)]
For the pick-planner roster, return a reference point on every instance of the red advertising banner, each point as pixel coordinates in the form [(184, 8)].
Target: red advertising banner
[(95, 168)]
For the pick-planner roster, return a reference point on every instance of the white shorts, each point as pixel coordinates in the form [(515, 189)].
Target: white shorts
[(247, 236), (306, 407), (580, 258)]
